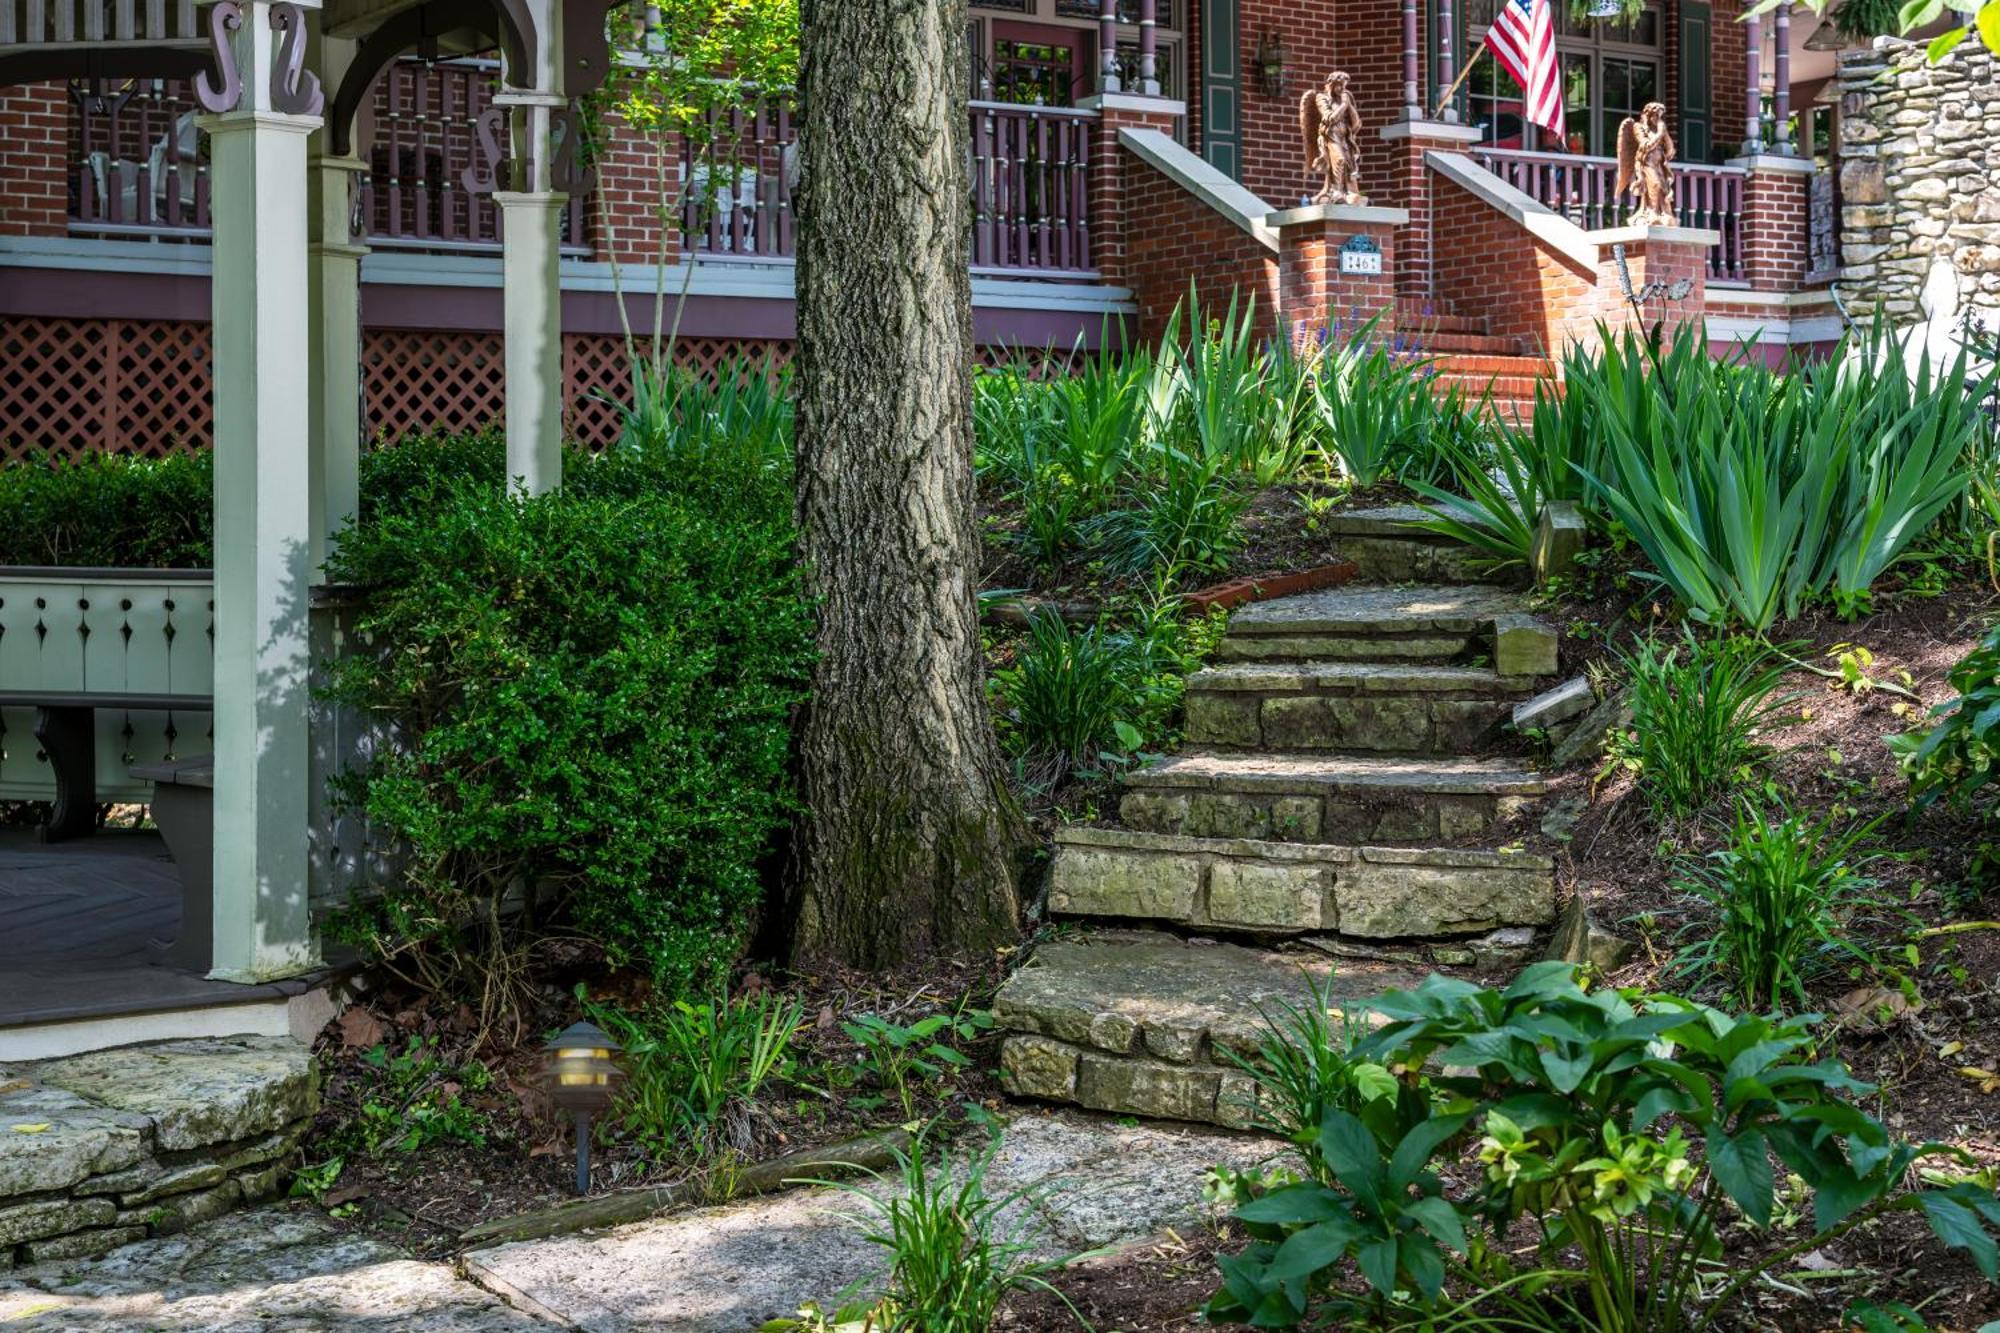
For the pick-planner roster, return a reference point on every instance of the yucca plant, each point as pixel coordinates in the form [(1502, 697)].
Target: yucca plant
[(1786, 892), (1078, 697), (1698, 707)]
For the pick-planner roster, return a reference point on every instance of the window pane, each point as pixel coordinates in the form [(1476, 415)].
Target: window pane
[(1645, 84), (1577, 103)]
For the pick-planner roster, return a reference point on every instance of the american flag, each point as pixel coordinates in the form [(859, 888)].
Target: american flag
[(1523, 41)]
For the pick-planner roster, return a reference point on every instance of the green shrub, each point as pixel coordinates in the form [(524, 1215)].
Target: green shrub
[(694, 1071), (1786, 892), (1955, 758), (1697, 709), (110, 510), (586, 697), (1085, 698), (1753, 493), (1627, 1130)]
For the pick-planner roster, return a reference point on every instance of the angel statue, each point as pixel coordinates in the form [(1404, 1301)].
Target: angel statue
[(1330, 123), (1645, 149)]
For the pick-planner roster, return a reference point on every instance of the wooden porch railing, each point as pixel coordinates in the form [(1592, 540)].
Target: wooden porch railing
[(1581, 189), (139, 167), (1028, 169)]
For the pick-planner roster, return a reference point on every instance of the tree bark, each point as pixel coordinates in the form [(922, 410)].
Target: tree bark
[(911, 840)]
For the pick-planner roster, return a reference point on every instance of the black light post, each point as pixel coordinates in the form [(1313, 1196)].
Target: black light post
[(583, 1077)]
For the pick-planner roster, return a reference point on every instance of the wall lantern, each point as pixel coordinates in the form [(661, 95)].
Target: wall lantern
[(1271, 63), (582, 1079)]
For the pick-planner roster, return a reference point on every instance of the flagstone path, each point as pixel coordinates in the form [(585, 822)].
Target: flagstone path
[(714, 1270)]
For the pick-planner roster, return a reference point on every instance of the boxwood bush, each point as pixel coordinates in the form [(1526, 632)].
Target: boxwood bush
[(588, 699), (108, 509)]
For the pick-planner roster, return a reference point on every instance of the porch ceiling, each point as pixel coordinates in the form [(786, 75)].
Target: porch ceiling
[(357, 18)]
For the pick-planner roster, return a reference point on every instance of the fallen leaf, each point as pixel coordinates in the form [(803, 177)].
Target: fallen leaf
[(40, 1128), (1988, 1081), (1949, 1049), (345, 1194), (360, 1029), (825, 1021)]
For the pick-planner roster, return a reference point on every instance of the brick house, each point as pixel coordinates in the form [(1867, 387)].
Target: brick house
[(1118, 151)]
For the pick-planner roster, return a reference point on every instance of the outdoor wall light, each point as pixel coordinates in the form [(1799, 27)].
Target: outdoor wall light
[(1271, 63), (582, 1080)]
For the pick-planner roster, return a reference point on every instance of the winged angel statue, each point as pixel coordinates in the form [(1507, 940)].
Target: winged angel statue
[(1330, 124), (1645, 152)]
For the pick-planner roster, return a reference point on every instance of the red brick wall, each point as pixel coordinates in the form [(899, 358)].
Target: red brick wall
[(1526, 289), (1774, 230), (1729, 50), (34, 151), (1315, 293), (624, 216), (1181, 239)]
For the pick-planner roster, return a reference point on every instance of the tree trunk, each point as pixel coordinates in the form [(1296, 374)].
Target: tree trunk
[(911, 840)]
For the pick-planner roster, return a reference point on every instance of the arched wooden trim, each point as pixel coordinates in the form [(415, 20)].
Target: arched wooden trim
[(407, 30)]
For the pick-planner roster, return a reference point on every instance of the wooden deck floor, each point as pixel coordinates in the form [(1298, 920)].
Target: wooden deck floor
[(75, 920)]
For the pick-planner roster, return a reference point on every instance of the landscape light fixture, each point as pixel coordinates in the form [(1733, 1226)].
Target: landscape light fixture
[(582, 1080), (1271, 63)]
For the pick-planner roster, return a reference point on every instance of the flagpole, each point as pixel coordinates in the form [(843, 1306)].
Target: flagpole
[(1458, 82)]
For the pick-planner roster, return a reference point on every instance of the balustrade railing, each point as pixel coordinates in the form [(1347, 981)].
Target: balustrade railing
[(1028, 169), (1582, 189), (139, 166)]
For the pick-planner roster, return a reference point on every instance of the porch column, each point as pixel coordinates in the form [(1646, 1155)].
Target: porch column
[(1107, 46), (1413, 107), (1447, 66), (1781, 80), (333, 321), (1149, 71), (1753, 92), (530, 236), (263, 508)]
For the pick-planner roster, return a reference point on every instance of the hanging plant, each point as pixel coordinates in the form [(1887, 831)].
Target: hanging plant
[(1606, 10), (1867, 18)]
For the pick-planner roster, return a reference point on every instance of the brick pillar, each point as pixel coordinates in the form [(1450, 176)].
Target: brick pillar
[(1116, 111), (1774, 221), (34, 160), (1404, 183), (1661, 257), (1313, 291)]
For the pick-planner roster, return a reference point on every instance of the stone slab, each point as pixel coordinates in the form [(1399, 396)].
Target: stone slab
[(1371, 775), (727, 1269), (80, 1138), (1357, 609), (281, 1267), (1390, 678), (1181, 998), (1572, 698), (196, 1092)]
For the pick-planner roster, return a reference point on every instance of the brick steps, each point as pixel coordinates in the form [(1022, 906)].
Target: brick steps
[(1337, 797), (1470, 344)]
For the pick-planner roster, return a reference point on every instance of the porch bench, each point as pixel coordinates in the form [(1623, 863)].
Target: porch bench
[(66, 726), (184, 809)]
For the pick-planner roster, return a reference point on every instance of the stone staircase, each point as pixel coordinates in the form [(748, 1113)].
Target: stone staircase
[(1343, 807)]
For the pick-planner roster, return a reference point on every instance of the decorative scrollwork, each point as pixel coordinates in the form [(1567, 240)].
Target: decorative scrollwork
[(295, 89), (224, 17), (482, 175), (567, 170)]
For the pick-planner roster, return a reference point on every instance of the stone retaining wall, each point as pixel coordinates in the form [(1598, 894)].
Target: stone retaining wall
[(111, 1147), (1919, 177)]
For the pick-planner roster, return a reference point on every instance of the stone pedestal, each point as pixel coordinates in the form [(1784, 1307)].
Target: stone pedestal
[(1406, 184), (1318, 292)]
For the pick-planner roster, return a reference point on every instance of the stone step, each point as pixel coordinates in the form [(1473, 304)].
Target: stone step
[(1142, 1023), (1401, 707), (1416, 622), (1339, 798), (1262, 887), (1387, 546)]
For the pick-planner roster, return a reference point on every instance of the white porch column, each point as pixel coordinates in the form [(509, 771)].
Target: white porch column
[(333, 319), (530, 234), (263, 509)]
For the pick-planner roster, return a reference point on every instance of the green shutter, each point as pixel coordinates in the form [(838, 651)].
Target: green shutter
[(1221, 88), (1697, 88)]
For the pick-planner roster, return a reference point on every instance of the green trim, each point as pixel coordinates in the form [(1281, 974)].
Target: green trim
[(1221, 88), (1697, 83)]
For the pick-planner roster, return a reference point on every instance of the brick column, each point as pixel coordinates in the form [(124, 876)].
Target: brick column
[(1774, 221), (1116, 111), (1404, 183), (34, 160), (1654, 256), (1313, 292)]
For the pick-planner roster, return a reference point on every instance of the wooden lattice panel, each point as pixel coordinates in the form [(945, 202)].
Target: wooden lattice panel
[(75, 386)]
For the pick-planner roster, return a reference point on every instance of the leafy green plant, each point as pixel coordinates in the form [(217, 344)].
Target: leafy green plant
[(1307, 1063), (900, 1055), (1956, 756), (415, 1100), (588, 696), (953, 1250), (695, 1071), (1376, 412), (109, 509), (1697, 710), (1586, 1110), (734, 419), (1084, 698), (1786, 892)]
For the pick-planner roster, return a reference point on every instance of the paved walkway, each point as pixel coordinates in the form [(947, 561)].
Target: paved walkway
[(712, 1270)]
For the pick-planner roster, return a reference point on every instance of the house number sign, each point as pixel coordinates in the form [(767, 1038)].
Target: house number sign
[(1360, 255)]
